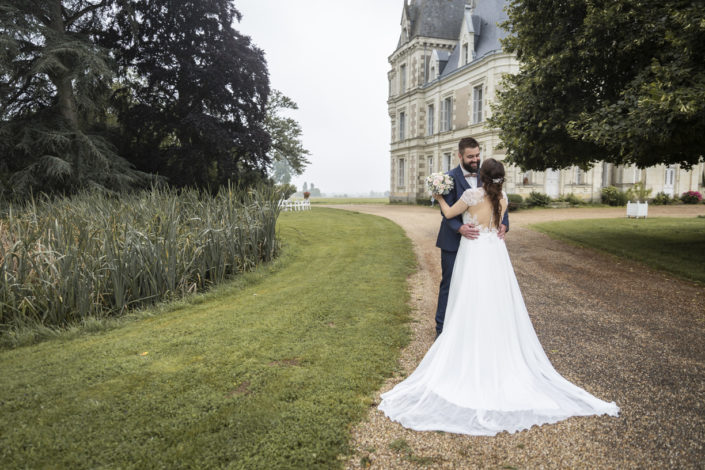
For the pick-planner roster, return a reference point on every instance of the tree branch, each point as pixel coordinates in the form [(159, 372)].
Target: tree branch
[(88, 9)]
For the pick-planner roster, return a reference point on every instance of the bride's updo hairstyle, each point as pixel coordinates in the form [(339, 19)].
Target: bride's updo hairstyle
[(492, 177)]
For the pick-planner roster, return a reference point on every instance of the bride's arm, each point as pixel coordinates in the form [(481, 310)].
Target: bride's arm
[(448, 211)]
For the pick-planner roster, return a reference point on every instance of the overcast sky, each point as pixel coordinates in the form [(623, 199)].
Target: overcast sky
[(330, 57)]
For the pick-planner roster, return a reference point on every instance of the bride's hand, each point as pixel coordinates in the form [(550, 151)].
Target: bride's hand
[(437, 197)]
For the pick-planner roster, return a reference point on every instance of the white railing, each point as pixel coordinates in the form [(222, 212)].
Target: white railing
[(304, 205), (637, 209)]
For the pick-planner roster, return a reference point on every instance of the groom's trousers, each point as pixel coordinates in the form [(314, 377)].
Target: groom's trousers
[(447, 263)]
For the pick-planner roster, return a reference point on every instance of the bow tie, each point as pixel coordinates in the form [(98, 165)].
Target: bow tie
[(470, 174)]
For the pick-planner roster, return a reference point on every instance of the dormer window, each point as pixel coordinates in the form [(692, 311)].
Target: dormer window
[(465, 53)]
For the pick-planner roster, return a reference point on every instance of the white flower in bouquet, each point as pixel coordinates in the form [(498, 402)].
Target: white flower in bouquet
[(439, 183)]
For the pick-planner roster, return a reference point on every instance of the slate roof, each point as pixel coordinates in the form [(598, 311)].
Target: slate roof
[(489, 13), (435, 18), (485, 19)]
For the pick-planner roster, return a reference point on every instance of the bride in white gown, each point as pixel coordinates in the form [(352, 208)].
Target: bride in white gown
[(487, 372)]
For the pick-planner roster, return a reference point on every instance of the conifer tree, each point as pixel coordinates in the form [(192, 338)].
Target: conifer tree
[(54, 86)]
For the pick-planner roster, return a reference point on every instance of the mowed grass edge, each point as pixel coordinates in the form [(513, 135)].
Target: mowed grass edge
[(269, 371), (675, 245)]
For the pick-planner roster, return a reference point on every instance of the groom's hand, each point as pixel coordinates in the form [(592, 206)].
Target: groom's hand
[(469, 231), (502, 231)]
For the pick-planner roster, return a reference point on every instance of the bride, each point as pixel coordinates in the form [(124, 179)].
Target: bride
[(487, 372)]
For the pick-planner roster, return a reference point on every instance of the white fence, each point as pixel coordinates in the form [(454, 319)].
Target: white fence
[(304, 205), (637, 209)]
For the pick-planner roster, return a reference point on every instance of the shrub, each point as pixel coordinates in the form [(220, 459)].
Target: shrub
[(573, 200), (662, 199), (691, 197), (538, 199), (515, 201), (613, 196), (638, 192)]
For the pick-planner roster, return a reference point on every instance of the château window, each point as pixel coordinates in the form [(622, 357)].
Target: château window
[(579, 175), (429, 119), (446, 114), (527, 178), (401, 175), (402, 78), (430, 164), (446, 161), (477, 104), (465, 53), (402, 126)]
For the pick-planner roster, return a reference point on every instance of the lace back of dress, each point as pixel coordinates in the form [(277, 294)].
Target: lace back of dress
[(479, 210)]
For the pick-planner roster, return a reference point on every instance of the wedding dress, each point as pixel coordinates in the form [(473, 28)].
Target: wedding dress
[(487, 372)]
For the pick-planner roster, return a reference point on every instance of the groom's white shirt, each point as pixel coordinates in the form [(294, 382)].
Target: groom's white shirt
[(472, 180)]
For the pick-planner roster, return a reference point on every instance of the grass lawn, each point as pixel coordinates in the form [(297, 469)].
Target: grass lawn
[(676, 245), (349, 200), (268, 371)]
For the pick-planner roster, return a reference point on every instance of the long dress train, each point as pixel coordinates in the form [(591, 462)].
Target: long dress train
[(487, 372)]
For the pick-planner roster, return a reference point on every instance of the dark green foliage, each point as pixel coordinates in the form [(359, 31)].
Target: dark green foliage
[(662, 199), (193, 93), (516, 198), (514, 201), (537, 199), (54, 86), (613, 196), (109, 93), (621, 81)]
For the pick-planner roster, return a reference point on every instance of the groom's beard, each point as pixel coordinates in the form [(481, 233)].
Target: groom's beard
[(470, 167)]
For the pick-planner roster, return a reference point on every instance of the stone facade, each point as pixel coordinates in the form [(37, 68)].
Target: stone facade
[(447, 67)]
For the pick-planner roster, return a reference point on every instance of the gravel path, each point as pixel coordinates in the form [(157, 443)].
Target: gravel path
[(622, 331)]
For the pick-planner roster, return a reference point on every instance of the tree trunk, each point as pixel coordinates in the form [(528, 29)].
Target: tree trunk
[(65, 98)]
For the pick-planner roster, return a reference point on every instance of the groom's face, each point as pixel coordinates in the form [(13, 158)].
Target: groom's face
[(470, 159)]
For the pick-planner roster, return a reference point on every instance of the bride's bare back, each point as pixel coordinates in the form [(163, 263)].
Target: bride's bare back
[(479, 210)]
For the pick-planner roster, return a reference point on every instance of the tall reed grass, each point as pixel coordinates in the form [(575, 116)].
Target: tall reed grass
[(98, 255)]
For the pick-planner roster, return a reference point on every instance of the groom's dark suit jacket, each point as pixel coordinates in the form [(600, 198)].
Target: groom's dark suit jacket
[(448, 236)]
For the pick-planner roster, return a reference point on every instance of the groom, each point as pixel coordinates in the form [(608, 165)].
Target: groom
[(465, 176)]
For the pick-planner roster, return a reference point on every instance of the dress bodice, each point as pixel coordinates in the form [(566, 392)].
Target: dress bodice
[(479, 210)]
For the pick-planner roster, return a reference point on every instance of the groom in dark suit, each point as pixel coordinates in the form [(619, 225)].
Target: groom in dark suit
[(465, 176)]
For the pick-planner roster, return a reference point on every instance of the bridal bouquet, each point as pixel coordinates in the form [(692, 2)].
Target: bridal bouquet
[(439, 183)]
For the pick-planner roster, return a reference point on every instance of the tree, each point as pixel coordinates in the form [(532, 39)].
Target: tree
[(54, 86), (287, 153), (193, 102), (620, 81)]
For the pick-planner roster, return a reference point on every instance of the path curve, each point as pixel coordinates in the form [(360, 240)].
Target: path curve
[(622, 331)]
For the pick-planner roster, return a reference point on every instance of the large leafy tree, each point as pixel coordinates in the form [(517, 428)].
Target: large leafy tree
[(193, 96), (287, 153), (54, 86), (621, 81)]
